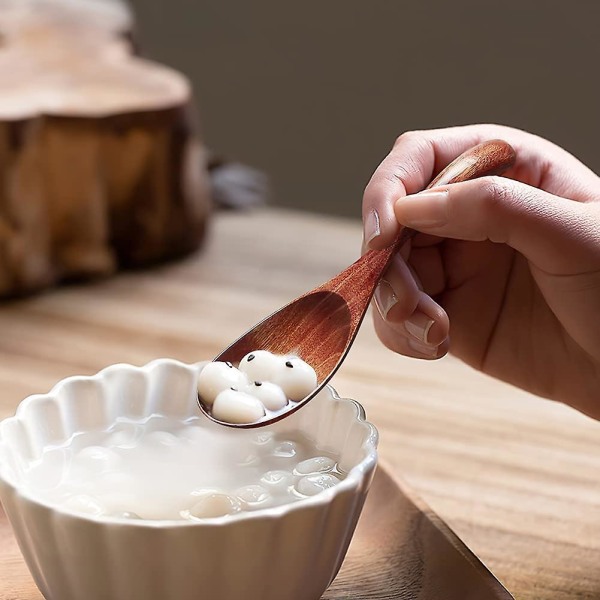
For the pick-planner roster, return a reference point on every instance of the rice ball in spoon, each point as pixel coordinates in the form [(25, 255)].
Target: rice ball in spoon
[(261, 365), (232, 406), (296, 378), (216, 377), (270, 394)]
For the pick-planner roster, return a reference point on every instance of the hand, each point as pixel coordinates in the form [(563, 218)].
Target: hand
[(510, 265)]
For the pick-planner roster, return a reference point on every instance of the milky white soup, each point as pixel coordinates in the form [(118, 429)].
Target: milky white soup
[(162, 468)]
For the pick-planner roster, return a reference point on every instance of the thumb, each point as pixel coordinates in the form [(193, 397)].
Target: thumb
[(556, 234)]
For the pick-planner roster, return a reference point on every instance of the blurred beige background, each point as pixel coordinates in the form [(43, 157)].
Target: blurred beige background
[(315, 92)]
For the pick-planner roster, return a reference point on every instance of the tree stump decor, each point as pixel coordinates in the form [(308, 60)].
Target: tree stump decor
[(99, 167)]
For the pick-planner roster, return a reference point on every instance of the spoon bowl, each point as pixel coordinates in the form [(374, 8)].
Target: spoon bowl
[(320, 326)]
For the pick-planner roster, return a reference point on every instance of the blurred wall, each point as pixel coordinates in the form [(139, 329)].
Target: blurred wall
[(315, 92)]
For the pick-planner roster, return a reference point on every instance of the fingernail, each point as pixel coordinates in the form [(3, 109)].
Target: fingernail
[(384, 298), (425, 209), (423, 348), (418, 325), (372, 229)]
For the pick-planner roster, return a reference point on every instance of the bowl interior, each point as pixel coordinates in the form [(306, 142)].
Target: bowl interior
[(168, 387)]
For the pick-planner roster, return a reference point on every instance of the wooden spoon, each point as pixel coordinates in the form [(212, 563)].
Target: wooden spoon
[(320, 326)]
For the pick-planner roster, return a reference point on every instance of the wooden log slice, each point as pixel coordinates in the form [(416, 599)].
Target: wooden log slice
[(99, 167)]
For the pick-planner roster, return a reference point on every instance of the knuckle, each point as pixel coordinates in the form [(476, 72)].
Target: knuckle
[(410, 154), (403, 173), (411, 137), (495, 194), (498, 197), (404, 137)]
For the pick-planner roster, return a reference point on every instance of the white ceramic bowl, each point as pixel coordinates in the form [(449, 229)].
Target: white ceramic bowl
[(289, 552)]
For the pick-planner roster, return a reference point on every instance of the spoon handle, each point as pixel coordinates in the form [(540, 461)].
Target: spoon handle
[(489, 158), (493, 157)]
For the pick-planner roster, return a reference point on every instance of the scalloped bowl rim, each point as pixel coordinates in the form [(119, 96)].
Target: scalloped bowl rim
[(352, 479)]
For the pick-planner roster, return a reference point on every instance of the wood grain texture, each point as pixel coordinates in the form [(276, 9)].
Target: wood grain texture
[(515, 476), (100, 167), (402, 551)]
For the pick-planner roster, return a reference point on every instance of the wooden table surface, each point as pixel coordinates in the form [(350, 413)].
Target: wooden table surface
[(517, 477)]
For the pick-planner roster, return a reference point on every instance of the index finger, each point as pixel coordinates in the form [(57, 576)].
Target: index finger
[(415, 158)]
